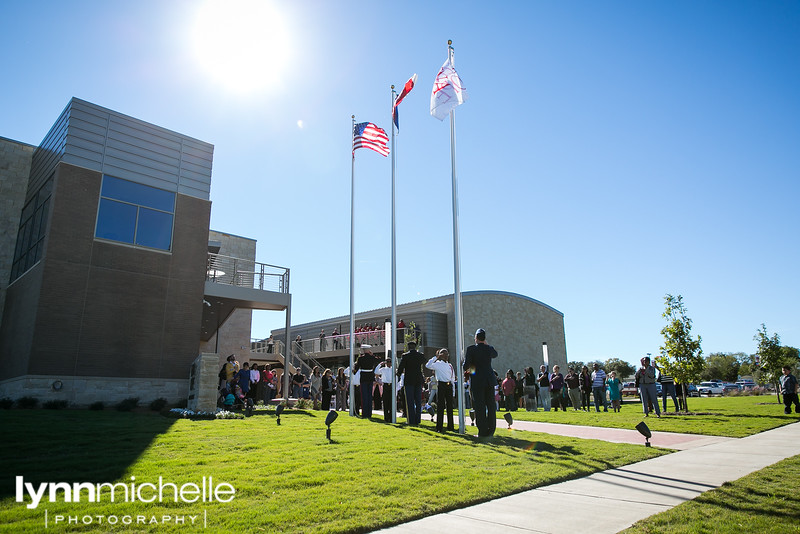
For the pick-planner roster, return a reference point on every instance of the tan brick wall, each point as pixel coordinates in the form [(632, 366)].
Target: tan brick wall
[(516, 327), (82, 391), (234, 334), (15, 167)]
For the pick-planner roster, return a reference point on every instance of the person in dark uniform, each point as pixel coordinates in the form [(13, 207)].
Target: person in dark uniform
[(366, 364), (411, 364), (478, 362)]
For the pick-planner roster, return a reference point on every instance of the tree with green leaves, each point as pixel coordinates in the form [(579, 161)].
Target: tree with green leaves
[(622, 368), (681, 355), (772, 357), (721, 365)]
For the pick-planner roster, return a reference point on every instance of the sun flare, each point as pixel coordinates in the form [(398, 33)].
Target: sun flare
[(242, 44)]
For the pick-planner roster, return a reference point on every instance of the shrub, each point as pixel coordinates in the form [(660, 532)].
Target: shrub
[(27, 402), (303, 404), (128, 404), (229, 415), (55, 404), (6, 403), (97, 406), (158, 404)]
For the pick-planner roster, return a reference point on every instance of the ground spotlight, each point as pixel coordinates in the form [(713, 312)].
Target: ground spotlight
[(278, 411), (509, 419), (332, 415), (643, 430)]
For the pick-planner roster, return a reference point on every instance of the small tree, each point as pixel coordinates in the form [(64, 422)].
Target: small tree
[(622, 368), (772, 357), (681, 355)]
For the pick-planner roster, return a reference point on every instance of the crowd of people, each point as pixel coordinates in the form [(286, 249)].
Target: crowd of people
[(486, 392), (580, 389), (247, 384)]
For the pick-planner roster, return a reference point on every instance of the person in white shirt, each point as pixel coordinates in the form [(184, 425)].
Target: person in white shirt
[(385, 372), (445, 378)]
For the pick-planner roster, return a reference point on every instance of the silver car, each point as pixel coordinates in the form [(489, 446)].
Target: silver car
[(710, 388)]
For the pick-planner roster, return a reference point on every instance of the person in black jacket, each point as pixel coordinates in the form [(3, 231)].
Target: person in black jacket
[(411, 364), (478, 362), (544, 388), (366, 364)]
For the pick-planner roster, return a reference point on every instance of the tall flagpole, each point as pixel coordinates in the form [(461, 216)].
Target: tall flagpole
[(394, 283), (352, 261), (457, 268)]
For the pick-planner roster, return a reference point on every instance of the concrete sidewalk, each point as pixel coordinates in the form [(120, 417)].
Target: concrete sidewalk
[(613, 500), (666, 440)]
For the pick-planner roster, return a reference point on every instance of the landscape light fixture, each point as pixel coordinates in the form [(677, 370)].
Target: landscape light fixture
[(643, 430), (509, 419), (278, 411), (332, 415)]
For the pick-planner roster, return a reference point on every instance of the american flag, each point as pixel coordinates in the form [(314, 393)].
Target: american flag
[(367, 135)]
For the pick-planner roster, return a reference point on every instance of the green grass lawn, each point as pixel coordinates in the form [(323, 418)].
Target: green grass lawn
[(764, 501), (715, 416), (288, 478)]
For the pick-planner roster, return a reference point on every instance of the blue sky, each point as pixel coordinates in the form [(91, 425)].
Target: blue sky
[(610, 152)]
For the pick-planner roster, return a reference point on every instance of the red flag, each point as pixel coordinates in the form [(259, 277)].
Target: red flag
[(406, 89)]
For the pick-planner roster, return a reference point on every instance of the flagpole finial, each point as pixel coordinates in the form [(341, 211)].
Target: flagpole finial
[(449, 42), (392, 87)]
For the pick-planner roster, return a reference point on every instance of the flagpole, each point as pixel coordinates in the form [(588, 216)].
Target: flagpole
[(457, 268), (352, 262), (394, 281)]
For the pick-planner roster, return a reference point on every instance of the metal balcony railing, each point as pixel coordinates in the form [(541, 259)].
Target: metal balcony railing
[(319, 346), (246, 273)]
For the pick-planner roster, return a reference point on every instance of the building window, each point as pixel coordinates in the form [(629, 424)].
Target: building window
[(136, 214), (32, 228)]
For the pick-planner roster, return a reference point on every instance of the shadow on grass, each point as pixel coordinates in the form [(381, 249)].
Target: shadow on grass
[(73, 445)]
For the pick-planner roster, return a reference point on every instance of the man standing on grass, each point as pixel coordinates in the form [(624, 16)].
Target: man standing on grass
[(789, 391), (478, 362), (544, 388), (385, 373), (411, 366), (365, 366), (599, 387), (445, 376)]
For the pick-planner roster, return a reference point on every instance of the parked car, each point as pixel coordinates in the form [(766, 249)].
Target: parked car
[(727, 388), (691, 391), (746, 384), (629, 388), (710, 388)]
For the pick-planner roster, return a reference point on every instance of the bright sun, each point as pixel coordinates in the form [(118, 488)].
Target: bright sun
[(242, 44)]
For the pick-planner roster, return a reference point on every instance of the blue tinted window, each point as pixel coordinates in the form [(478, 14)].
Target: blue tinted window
[(154, 229), (139, 194), (135, 213), (116, 221)]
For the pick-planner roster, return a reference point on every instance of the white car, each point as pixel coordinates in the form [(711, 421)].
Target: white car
[(710, 388)]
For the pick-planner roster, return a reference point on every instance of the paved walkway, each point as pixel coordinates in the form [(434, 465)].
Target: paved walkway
[(610, 501)]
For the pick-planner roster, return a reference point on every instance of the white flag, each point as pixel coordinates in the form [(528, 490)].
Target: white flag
[(448, 91)]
